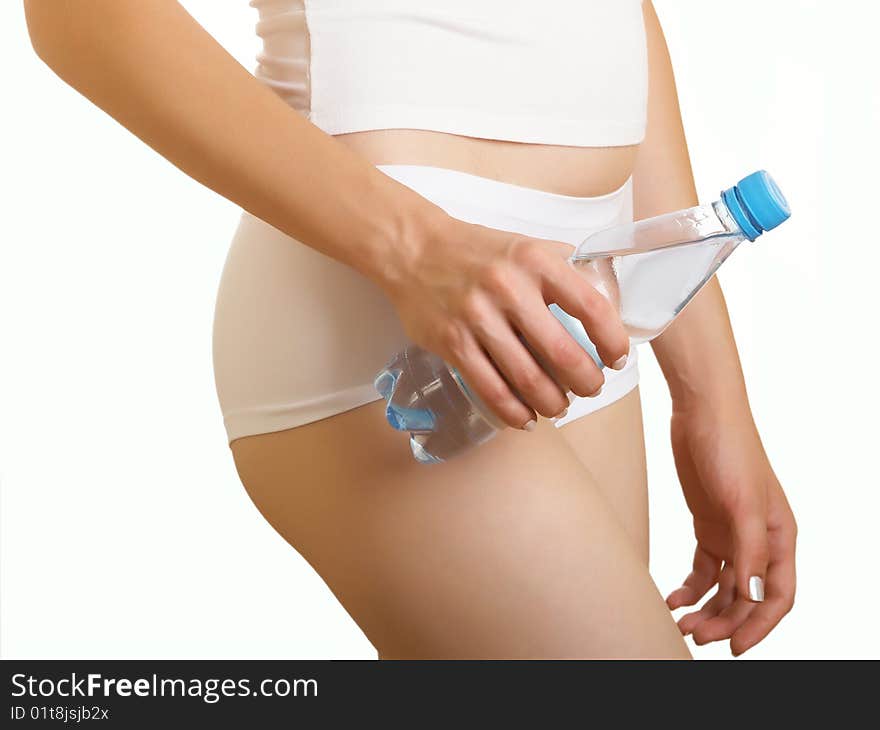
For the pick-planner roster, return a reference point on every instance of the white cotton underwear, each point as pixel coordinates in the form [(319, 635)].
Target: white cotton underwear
[(299, 336)]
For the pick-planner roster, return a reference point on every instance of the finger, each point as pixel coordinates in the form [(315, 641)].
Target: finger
[(781, 587), (760, 622), (556, 350), (750, 548), (722, 626), (723, 597), (600, 318), (484, 381), (704, 575), (534, 385), (690, 621)]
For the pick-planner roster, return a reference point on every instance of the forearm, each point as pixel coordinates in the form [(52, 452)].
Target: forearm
[(697, 353), (160, 74)]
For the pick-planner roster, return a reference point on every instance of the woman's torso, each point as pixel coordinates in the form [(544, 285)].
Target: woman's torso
[(553, 65), (580, 171)]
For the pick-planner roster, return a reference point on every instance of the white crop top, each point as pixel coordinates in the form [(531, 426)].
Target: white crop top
[(564, 72)]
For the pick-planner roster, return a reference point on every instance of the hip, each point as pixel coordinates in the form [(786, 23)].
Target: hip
[(298, 336)]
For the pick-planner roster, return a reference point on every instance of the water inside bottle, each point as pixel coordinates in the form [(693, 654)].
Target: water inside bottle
[(650, 288)]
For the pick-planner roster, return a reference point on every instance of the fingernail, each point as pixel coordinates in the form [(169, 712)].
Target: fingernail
[(593, 395), (530, 426), (619, 363), (756, 588), (563, 414)]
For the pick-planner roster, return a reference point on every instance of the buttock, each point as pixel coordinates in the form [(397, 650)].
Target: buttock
[(299, 336)]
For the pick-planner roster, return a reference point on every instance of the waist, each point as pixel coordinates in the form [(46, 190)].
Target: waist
[(565, 170), (515, 208)]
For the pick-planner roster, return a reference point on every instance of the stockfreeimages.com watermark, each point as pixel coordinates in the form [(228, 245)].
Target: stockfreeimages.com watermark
[(209, 690)]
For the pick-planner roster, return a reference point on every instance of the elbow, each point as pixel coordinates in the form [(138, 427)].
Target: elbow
[(43, 24), (77, 38), (62, 34)]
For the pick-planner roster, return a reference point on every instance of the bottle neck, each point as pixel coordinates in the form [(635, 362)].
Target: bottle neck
[(747, 226), (727, 219)]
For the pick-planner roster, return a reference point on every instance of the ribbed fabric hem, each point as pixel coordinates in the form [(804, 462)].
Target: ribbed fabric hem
[(550, 129), (283, 416), (272, 417), (532, 212)]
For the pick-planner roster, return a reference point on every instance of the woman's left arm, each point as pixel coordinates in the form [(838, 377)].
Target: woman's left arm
[(744, 526)]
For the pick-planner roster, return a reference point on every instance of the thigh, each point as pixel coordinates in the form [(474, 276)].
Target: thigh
[(510, 550), (610, 443)]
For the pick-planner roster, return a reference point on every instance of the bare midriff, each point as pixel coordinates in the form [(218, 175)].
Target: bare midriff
[(579, 171)]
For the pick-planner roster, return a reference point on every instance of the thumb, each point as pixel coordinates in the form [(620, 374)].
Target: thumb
[(750, 552)]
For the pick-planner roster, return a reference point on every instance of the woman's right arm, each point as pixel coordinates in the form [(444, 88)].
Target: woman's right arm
[(460, 289)]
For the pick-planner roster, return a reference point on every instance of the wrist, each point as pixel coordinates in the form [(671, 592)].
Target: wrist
[(397, 237)]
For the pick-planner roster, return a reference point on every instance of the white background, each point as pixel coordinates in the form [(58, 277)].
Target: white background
[(125, 531)]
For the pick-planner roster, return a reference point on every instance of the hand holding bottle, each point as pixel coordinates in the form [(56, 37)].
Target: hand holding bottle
[(468, 292)]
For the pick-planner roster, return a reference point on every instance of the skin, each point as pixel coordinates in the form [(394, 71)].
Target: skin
[(494, 554)]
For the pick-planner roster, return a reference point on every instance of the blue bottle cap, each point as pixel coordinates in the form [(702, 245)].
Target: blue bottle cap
[(757, 204)]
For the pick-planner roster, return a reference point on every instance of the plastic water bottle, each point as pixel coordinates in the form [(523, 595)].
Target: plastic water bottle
[(649, 270)]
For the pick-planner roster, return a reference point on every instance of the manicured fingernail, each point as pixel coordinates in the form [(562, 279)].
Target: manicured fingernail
[(619, 363), (530, 426), (756, 588)]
